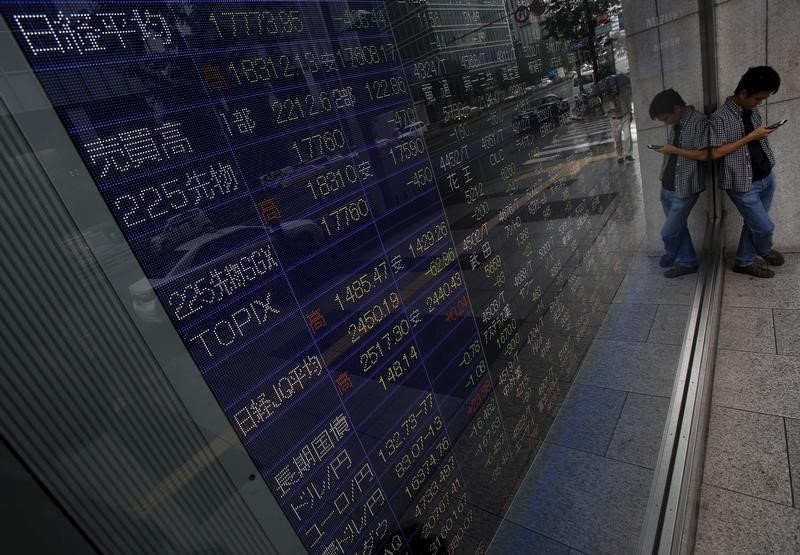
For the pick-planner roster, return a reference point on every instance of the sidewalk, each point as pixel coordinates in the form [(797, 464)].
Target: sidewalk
[(750, 498), (587, 489)]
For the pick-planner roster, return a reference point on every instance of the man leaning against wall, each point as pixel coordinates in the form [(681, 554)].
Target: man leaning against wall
[(745, 162)]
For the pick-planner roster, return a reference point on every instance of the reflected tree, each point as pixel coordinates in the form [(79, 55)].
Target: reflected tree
[(575, 20)]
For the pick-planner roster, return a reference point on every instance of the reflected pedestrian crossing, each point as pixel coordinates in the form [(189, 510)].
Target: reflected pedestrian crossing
[(576, 136)]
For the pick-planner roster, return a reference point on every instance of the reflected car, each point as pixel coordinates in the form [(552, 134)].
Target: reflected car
[(299, 234), (415, 129), (276, 174), (585, 82), (468, 112), (181, 228), (289, 175), (547, 109)]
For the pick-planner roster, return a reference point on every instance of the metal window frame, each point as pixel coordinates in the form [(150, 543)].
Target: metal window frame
[(24, 101), (671, 517)]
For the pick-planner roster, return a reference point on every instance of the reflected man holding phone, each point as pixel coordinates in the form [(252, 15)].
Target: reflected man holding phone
[(739, 142), (681, 177)]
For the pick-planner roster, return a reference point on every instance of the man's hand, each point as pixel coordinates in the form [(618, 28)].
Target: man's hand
[(759, 133), (699, 154), (718, 152)]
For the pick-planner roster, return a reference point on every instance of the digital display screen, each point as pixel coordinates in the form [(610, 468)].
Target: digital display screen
[(365, 220)]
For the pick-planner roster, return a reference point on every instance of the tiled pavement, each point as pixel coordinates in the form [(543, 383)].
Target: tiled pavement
[(587, 490), (750, 497), (588, 487)]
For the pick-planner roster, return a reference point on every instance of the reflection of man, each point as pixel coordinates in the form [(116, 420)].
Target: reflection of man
[(617, 106), (681, 177), (737, 136)]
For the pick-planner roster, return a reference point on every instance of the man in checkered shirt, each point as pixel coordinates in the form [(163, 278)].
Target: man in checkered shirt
[(745, 169), (681, 177)]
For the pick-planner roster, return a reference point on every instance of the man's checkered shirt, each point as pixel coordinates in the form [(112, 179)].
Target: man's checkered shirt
[(693, 135), (727, 126)]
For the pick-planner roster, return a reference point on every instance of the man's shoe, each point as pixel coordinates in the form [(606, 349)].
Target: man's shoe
[(678, 271), (755, 271), (774, 258), (665, 261), (620, 160), (630, 158)]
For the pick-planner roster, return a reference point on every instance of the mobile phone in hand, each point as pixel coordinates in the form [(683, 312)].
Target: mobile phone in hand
[(776, 125), (655, 147)]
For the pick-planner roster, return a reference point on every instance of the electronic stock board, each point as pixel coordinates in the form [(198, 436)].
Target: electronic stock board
[(349, 213)]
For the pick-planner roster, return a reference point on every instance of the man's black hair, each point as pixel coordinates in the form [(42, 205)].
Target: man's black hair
[(664, 102), (759, 79)]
